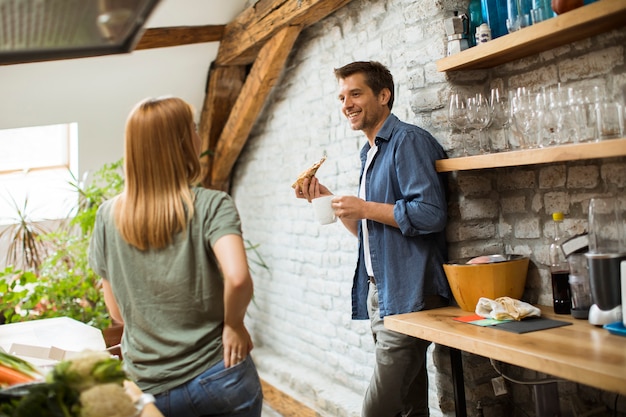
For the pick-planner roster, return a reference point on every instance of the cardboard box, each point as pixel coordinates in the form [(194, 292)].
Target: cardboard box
[(47, 341)]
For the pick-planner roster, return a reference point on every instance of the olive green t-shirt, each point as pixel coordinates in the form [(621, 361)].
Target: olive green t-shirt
[(171, 299)]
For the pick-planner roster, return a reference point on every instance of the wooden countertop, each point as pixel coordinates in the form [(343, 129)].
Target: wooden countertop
[(581, 352)]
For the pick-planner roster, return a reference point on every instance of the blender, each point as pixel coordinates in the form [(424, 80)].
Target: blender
[(607, 250)]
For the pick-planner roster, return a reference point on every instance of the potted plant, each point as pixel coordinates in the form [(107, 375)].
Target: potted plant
[(26, 249)]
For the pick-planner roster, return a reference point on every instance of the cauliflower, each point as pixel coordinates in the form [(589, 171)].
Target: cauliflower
[(88, 369), (106, 400), (88, 385), (84, 362)]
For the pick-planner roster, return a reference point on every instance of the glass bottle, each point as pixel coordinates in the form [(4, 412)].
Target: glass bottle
[(518, 14), (559, 270), (541, 10), (475, 20), (495, 15)]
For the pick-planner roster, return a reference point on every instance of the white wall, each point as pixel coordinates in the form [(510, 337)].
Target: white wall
[(99, 92)]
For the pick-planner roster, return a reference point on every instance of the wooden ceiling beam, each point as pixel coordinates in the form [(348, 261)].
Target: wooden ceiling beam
[(263, 76), (179, 35), (223, 88), (246, 34)]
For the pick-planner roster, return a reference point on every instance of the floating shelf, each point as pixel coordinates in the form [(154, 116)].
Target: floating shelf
[(583, 22), (561, 153)]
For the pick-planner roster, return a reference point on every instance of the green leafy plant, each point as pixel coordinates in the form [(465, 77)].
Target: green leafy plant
[(62, 284), (258, 259), (107, 183), (26, 249)]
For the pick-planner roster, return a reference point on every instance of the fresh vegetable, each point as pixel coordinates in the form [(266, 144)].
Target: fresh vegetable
[(14, 370), (89, 385), (9, 376), (88, 369), (96, 402)]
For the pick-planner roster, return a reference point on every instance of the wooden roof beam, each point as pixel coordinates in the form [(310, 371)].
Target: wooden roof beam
[(246, 34), (259, 83), (179, 35), (223, 88)]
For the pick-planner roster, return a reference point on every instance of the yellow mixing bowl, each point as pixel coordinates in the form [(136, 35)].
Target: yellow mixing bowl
[(491, 280)]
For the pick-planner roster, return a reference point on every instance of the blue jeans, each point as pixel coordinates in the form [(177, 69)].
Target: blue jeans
[(218, 392)]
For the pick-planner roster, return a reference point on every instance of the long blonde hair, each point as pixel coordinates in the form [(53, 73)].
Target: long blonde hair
[(161, 161)]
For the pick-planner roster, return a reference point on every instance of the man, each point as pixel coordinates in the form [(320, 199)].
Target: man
[(399, 217)]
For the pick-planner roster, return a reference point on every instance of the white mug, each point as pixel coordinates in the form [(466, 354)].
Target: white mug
[(323, 209)]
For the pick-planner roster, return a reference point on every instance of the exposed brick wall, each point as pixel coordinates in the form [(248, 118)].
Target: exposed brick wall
[(300, 319)]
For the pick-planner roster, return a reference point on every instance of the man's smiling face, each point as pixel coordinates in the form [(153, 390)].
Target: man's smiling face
[(364, 110)]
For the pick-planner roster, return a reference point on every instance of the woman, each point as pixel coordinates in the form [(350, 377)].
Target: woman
[(175, 272)]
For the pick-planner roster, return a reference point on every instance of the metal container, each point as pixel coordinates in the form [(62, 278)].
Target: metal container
[(457, 29)]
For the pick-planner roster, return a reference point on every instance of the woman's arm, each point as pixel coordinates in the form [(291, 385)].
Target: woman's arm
[(238, 288), (109, 300)]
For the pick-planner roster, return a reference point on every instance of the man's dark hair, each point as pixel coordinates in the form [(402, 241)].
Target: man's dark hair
[(377, 76)]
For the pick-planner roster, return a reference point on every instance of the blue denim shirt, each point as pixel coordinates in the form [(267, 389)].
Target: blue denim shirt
[(407, 261)]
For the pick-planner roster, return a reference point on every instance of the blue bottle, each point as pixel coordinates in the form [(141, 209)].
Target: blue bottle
[(475, 20), (495, 15)]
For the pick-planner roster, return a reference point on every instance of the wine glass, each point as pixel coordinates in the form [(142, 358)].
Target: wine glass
[(500, 119), (523, 110), (479, 117), (457, 116)]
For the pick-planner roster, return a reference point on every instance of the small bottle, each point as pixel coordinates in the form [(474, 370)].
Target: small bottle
[(559, 270), (483, 34)]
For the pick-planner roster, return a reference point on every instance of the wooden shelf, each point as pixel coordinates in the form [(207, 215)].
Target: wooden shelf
[(577, 24), (561, 153)]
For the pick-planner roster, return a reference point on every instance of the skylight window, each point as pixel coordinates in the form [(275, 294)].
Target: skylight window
[(36, 165)]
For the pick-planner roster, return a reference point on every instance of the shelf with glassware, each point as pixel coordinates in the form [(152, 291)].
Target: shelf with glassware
[(577, 24), (568, 152)]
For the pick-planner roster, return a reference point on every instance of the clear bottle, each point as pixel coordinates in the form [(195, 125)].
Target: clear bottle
[(559, 270)]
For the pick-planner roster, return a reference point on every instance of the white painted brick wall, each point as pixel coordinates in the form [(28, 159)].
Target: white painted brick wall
[(306, 342)]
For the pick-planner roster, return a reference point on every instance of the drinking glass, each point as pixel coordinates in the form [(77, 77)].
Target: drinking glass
[(548, 119), (518, 14), (542, 10), (569, 116), (591, 97), (479, 117), (610, 120), (500, 119), (580, 287), (457, 116), (523, 111)]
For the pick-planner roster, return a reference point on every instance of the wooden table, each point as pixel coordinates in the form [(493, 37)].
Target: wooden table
[(580, 352)]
